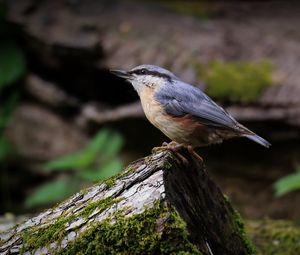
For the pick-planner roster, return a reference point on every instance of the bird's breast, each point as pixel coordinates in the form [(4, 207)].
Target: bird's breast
[(179, 129), (153, 110)]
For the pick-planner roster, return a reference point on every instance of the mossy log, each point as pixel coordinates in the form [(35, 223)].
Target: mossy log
[(160, 204)]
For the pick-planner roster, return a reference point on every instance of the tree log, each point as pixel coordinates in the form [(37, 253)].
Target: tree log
[(160, 204)]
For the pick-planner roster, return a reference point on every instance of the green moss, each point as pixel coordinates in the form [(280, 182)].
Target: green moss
[(240, 228), (42, 236), (242, 233), (112, 180), (39, 237), (276, 237), (137, 234), (98, 205), (167, 165), (198, 9), (237, 82)]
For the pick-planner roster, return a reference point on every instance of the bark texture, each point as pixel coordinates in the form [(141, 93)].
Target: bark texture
[(157, 205)]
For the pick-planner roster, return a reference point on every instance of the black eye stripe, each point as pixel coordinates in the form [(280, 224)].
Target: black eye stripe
[(144, 71), (140, 71)]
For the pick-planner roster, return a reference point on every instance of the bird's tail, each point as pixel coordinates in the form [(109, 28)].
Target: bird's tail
[(245, 132), (258, 139)]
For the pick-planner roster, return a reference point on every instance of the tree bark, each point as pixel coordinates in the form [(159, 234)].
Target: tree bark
[(160, 204)]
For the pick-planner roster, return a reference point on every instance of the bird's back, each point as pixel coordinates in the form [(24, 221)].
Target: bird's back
[(180, 99)]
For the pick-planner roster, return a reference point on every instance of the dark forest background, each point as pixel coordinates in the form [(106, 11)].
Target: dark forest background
[(67, 122)]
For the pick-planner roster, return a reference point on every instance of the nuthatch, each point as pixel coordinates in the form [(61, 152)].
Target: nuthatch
[(181, 111)]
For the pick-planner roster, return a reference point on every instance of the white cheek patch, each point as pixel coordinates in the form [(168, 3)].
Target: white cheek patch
[(137, 84), (152, 81), (142, 81)]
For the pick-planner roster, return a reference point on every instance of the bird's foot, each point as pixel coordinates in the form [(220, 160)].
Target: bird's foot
[(194, 154), (174, 147)]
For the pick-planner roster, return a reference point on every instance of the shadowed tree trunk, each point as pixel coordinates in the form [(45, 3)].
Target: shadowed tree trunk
[(157, 205)]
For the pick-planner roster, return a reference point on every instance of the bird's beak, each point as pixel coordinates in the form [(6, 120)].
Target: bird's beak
[(121, 73)]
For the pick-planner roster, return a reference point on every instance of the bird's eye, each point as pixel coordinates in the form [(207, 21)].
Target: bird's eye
[(138, 72)]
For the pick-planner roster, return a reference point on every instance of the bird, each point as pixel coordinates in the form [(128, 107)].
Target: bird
[(183, 112)]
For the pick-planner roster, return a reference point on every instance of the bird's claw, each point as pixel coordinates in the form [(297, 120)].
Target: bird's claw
[(194, 154), (174, 147)]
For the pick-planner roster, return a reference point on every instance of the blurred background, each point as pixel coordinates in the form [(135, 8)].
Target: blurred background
[(66, 122)]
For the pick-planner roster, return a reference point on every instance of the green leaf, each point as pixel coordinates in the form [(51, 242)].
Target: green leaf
[(81, 159), (5, 148), (51, 192), (103, 143), (287, 184), (103, 172), (113, 145), (70, 162), (7, 110), (12, 63), (106, 142), (98, 142)]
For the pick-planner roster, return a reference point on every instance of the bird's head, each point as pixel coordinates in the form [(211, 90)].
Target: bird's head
[(143, 76)]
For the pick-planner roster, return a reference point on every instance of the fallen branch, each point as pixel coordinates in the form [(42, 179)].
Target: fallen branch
[(157, 205)]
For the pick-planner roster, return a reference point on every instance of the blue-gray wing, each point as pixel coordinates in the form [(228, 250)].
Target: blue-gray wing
[(179, 99)]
